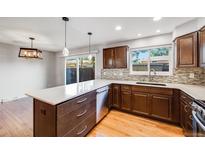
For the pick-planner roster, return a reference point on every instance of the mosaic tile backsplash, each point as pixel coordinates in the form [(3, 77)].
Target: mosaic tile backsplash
[(181, 75)]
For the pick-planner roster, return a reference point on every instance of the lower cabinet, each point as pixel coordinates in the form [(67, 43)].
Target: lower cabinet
[(161, 106), (126, 100), (140, 103), (109, 102), (75, 117), (144, 100), (186, 114), (182, 114), (116, 96)]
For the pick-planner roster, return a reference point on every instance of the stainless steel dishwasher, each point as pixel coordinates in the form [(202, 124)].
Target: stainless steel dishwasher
[(101, 103)]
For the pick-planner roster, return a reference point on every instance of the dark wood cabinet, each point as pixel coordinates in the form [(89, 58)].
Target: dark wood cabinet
[(115, 57), (202, 46), (140, 103), (75, 117), (187, 50), (116, 96), (161, 106), (110, 97), (120, 57), (108, 58), (186, 114), (126, 97), (155, 102), (182, 114)]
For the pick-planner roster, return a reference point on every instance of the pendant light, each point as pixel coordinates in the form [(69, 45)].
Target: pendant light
[(65, 49), (90, 56), (30, 52)]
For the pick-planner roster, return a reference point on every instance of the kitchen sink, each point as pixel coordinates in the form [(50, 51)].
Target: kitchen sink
[(156, 84)]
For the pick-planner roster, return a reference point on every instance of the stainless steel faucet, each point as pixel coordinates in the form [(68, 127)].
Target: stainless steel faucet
[(150, 77)]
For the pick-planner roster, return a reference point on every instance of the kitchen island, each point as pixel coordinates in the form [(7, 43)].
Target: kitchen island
[(70, 110)]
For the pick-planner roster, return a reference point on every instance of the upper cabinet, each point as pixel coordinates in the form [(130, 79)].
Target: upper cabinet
[(115, 57), (202, 46), (108, 56), (187, 53)]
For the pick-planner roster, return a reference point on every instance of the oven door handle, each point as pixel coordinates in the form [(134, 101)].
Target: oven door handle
[(198, 121)]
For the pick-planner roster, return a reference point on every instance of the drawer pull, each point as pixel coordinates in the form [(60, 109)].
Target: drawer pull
[(81, 101), (84, 129), (185, 108), (81, 114), (190, 117), (183, 97)]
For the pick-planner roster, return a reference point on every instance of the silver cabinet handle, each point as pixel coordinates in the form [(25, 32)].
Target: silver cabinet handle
[(84, 129), (81, 101), (81, 114)]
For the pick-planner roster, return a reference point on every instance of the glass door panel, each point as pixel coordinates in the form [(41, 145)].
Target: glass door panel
[(86, 68), (71, 71)]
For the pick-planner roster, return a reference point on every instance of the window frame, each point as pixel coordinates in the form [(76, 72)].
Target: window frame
[(77, 57), (159, 73)]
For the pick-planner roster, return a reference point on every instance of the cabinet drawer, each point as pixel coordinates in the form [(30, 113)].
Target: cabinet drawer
[(125, 88), (84, 127), (162, 91), (140, 88), (68, 121), (75, 103)]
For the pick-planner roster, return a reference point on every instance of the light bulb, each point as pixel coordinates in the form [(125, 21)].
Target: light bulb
[(65, 52), (25, 53), (90, 57)]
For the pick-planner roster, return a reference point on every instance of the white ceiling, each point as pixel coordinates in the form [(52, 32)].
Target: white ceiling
[(49, 31)]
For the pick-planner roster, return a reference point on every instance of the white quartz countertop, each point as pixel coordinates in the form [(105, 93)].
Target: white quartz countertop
[(61, 94)]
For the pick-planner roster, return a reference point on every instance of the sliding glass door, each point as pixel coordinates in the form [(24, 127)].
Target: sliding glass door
[(71, 71), (79, 69)]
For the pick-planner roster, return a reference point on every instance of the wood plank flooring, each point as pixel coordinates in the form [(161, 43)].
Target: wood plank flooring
[(119, 124), (16, 119)]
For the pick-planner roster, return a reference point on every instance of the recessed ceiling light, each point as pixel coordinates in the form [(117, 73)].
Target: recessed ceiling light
[(118, 28), (158, 31), (157, 18), (139, 34)]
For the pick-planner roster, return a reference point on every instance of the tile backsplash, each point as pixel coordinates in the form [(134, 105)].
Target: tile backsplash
[(194, 76)]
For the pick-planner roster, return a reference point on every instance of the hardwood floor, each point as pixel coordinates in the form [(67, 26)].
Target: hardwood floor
[(16, 119), (119, 124)]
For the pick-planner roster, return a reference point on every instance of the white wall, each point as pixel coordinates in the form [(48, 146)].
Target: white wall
[(191, 26), (19, 75), (146, 42)]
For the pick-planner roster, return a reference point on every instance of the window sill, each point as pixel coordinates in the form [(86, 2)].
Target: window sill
[(146, 74)]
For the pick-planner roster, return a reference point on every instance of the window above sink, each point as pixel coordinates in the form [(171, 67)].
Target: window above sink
[(158, 58)]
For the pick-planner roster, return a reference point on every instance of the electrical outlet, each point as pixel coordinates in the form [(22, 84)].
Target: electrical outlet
[(191, 75)]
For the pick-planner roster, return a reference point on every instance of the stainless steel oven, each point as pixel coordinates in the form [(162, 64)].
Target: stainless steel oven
[(198, 113)]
